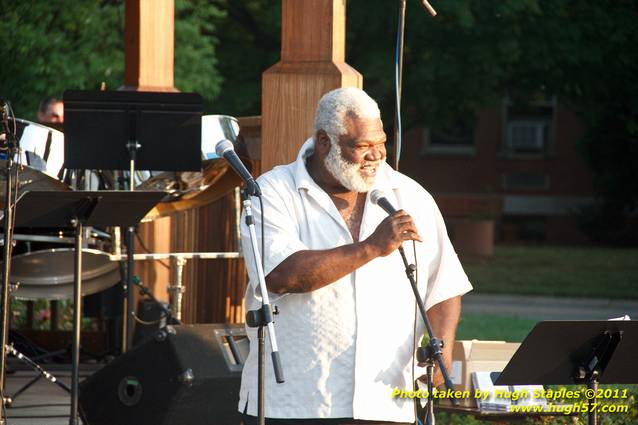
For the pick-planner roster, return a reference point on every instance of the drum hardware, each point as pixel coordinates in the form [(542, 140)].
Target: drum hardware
[(38, 238), (92, 237), (179, 260), (12, 147), (165, 318), (80, 209), (42, 373)]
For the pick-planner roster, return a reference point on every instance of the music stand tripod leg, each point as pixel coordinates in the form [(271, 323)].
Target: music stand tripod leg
[(6, 269), (41, 374), (77, 317)]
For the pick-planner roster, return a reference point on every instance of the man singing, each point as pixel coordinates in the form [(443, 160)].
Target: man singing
[(348, 324)]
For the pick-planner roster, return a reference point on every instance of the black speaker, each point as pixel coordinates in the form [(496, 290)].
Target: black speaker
[(185, 375)]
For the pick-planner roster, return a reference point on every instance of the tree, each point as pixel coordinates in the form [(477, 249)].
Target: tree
[(475, 52), (50, 46), (249, 44), (465, 59), (61, 44)]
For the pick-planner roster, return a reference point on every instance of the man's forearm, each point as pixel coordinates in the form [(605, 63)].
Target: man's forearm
[(309, 270), (444, 318)]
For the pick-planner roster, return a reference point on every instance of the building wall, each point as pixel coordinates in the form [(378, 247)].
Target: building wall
[(470, 182)]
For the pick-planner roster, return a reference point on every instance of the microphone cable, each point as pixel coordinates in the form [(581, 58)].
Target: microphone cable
[(398, 53)]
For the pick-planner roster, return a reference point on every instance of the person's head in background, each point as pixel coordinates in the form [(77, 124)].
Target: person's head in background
[(51, 112)]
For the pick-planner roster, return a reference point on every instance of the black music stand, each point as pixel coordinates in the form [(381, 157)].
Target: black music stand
[(76, 210), (128, 130), (109, 130), (576, 352)]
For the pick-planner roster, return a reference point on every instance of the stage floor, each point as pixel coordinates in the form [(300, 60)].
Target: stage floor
[(44, 403)]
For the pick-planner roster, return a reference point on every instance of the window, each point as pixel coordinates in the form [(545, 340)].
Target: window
[(454, 140), (528, 127), (527, 136)]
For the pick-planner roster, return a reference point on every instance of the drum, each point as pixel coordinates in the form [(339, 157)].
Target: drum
[(192, 189), (42, 265), (49, 274), (42, 147), (216, 128), (40, 161)]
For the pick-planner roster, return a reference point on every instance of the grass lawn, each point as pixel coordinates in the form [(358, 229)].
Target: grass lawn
[(561, 271), (493, 328)]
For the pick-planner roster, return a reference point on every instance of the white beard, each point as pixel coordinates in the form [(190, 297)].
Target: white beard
[(347, 173)]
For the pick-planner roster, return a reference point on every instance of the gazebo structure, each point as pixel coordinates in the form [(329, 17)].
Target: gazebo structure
[(312, 63)]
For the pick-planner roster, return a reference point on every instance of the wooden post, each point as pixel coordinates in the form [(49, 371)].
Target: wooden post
[(148, 45), (148, 56), (312, 63)]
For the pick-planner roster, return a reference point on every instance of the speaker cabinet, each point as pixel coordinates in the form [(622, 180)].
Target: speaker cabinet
[(185, 375)]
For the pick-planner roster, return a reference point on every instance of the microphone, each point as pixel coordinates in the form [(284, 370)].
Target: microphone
[(428, 8), (378, 198), (225, 148)]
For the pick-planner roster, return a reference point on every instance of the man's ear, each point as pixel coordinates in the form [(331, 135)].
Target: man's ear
[(322, 143)]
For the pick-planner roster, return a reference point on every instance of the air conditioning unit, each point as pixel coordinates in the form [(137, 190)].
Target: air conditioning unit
[(527, 136)]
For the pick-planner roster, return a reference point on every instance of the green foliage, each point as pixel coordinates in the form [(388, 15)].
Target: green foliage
[(475, 52), (54, 45), (195, 48), (62, 44), (249, 44), (467, 58)]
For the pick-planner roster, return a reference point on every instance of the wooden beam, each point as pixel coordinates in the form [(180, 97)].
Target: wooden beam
[(214, 289), (148, 61), (148, 45), (312, 63)]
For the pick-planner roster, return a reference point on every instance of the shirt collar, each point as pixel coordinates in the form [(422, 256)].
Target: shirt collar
[(386, 179)]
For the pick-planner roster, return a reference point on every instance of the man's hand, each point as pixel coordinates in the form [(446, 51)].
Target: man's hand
[(392, 232), (309, 270)]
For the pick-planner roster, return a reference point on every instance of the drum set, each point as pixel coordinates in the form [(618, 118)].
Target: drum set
[(42, 264), (42, 260)]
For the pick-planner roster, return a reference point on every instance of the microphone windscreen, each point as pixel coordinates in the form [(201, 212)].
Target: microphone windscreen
[(223, 146), (375, 195)]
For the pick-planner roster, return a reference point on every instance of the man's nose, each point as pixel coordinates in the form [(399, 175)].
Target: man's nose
[(375, 154)]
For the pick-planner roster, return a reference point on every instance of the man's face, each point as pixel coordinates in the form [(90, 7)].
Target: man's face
[(53, 115), (355, 159)]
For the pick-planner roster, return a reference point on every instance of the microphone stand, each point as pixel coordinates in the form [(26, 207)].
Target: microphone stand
[(398, 76), (433, 351), (263, 317), (128, 318)]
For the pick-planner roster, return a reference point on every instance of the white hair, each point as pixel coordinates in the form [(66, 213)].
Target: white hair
[(336, 105)]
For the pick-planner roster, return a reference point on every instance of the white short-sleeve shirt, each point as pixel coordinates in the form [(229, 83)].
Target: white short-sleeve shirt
[(346, 346)]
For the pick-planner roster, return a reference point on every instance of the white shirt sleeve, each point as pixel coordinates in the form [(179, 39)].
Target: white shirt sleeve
[(281, 231), (447, 278)]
